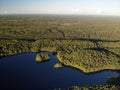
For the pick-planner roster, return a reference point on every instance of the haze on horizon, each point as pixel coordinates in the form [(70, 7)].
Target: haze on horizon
[(83, 7)]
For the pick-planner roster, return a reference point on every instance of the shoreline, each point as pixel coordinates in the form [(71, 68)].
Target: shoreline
[(69, 66)]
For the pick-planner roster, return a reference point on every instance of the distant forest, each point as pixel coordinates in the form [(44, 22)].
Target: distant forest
[(89, 43)]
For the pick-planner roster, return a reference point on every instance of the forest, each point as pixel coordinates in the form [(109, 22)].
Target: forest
[(88, 43)]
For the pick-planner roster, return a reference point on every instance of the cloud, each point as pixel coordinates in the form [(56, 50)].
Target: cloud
[(5, 12), (75, 10), (99, 11)]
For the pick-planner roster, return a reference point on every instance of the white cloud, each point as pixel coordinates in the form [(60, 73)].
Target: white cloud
[(5, 12), (75, 10), (99, 11)]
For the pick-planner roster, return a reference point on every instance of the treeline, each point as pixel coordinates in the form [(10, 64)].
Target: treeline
[(84, 55), (11, 47)]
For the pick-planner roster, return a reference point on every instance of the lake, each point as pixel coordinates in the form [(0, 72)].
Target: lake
[(22, 71)]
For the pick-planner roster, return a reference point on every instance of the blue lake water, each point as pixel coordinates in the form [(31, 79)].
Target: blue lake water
[(22, 71)]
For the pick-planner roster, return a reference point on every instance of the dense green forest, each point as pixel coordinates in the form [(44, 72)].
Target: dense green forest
[(89, 43)]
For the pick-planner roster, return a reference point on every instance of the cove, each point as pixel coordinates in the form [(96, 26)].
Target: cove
[(22, 71)]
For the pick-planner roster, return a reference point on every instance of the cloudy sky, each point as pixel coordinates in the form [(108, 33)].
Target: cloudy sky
[(89, 7)]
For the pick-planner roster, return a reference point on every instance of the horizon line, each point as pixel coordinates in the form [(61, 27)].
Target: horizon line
[(59, 14)]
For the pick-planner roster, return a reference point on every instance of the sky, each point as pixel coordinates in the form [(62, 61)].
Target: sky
[(87, 7)]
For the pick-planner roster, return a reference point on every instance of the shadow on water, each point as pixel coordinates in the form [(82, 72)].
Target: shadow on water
[(115, 80), (43, 61)]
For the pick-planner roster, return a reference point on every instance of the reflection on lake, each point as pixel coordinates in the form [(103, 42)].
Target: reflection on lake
[(22, 71)]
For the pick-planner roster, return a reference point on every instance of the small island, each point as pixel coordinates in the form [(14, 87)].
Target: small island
[(58, 65), (41, 57)]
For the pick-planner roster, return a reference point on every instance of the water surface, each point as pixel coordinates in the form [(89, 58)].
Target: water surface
[(22, 71)]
